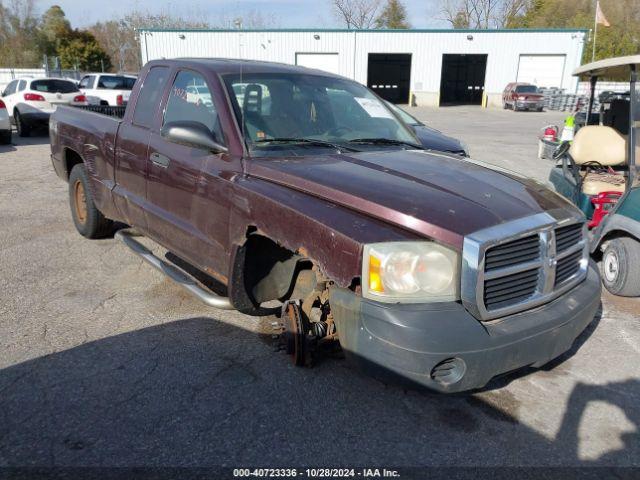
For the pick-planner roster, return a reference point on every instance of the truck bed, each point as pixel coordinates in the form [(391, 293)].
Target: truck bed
[(89, 134), (104, 110)]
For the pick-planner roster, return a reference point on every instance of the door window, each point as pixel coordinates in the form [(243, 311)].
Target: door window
[(190, 99), (87, 82), (149, 97), (11, 88)]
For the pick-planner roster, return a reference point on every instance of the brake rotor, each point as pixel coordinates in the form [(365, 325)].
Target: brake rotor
[(294, 335)]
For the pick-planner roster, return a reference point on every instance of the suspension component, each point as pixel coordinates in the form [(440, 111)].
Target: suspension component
[(307, 324)]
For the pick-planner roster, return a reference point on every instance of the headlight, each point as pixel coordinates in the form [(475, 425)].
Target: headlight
[(522, 98), (410, 272)]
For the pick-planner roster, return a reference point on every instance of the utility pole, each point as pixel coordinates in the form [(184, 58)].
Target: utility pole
[(595, 32)]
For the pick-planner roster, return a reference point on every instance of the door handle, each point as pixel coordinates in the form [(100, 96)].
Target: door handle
[(159, 160)]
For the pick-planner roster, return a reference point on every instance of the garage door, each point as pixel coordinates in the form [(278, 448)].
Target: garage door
[(542, 70), (322, 61)]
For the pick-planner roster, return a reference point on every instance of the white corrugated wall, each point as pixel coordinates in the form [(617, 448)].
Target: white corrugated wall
[(502, 47)]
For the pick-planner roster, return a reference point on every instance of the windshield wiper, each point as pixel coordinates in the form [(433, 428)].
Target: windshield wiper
[(385, 141), (309, 141)]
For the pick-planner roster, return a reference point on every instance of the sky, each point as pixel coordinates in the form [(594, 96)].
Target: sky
[(284, 13)]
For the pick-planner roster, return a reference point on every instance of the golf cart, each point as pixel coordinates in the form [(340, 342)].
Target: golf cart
[(597, 171)]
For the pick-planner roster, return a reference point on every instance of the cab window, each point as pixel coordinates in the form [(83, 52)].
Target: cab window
[(149, 96), (190, 99)]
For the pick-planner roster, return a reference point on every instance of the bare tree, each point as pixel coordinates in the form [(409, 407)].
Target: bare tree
[(483, 14), (251, 19), (357, 14), (19, 35)]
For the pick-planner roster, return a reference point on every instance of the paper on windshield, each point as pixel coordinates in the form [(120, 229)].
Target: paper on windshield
[(373, 107)]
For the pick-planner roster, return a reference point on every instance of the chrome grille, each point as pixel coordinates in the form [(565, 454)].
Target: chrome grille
[(511, 253), (568, 236), (522, 264), (505, 291), (567, 267)]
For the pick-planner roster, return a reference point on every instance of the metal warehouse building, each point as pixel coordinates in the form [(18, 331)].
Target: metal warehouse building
[(426, 67)]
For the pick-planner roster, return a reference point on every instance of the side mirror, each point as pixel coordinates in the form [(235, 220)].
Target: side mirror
[(191, 134)]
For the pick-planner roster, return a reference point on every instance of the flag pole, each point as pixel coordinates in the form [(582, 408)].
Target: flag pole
[(595, 32)]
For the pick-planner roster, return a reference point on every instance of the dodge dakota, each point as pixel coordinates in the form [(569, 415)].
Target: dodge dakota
[(301, 188)]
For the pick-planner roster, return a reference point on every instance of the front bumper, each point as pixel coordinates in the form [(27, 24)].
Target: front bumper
[(523, 105), (409, 343)]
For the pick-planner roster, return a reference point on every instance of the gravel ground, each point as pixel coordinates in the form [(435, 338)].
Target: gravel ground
[(106, 363)]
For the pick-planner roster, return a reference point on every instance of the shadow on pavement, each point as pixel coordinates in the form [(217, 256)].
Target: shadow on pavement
[(7, 148), (199, 392), (38, 136)]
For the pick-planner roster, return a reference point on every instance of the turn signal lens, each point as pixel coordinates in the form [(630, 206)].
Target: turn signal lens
[(2, 105), (375, 282), (119, 100)]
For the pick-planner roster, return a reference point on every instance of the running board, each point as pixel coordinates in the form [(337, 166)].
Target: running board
[(174, 273)]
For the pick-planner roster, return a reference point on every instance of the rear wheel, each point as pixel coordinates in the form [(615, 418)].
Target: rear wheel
[(88, 220), (620, 267), (23, 129)]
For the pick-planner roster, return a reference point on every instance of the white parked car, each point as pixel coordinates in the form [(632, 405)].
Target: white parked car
[(107, 88), (31, 101), (5, 125)]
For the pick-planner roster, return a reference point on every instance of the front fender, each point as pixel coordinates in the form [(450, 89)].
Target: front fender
[(330, 235)]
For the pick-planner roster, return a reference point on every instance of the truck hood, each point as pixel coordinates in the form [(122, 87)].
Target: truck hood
[(440, 196), (435, 140)]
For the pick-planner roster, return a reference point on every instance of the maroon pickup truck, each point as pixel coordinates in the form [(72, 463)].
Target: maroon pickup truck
[(301, 188)]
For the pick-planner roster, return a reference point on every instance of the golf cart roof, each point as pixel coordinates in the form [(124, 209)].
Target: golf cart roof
[(608, 67)]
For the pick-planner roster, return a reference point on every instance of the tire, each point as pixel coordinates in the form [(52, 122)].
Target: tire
[(5, 137), (541, 109), (88, 220), (620, 267), (22, 127)]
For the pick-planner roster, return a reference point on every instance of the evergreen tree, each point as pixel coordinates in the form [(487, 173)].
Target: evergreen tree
[(393, 15)]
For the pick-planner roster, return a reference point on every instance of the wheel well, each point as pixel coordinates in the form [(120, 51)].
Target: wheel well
[(71, 159), (613, 234), (264, 270)]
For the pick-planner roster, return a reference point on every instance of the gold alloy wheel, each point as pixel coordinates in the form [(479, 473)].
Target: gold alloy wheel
[(80, 201)]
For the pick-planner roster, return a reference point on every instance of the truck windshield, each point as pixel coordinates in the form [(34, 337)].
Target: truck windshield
[(299, 108), (526, 89), (116, 83)]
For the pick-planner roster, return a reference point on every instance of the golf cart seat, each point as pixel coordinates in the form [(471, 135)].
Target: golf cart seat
[(599, 146)]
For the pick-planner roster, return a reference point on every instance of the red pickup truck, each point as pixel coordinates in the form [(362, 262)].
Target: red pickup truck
[(294, 185)]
